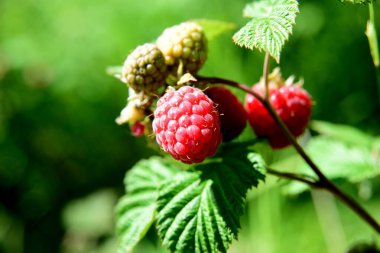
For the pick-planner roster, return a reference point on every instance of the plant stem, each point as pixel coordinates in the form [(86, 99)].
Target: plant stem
[(373, 43), (293, 176), (330, 187), (372, 35), (265, 75), (323, 181), (355, 206)]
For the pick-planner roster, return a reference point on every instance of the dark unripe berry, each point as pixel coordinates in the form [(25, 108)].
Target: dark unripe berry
[(184, 43), (186, 125), (232, 114), (145, 69)]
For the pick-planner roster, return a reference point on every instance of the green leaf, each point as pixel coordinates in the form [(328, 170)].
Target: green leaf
[(344, 133), (214, 28), (135, 211), (91, 215), (356, 1), (199, 210), (271, 24), (337, 160)]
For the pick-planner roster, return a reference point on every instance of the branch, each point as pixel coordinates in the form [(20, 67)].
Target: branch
[(372, 36), (293, 176), (373, 43), (323, 180), (265, 75)]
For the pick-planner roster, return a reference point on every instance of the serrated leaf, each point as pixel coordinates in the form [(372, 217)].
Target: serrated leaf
[(199, 210), (214, 28), (356, 1), (258, 163), (271, 24), (135, 211)]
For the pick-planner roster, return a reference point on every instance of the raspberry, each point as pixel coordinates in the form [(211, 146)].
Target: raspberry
[(233, 116), (184, 43), (292, 103), (187, 125), (137, 129), (145, 69)]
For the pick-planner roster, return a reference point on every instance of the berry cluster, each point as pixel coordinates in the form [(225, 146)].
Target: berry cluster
[(189, 123), (180, 49)]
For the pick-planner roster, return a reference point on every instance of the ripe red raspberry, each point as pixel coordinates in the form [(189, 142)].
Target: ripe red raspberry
[(232, 114), (293, 105), (187, 125)]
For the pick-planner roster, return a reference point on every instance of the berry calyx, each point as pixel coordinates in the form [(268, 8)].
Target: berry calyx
[(131, 113), (186, 125), (145, 69), (232, 114), (183, 44), (291, 102)]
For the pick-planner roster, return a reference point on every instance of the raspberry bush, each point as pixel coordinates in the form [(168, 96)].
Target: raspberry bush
[(196, 203)]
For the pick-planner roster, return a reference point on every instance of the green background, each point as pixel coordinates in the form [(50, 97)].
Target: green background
[(63, 158)]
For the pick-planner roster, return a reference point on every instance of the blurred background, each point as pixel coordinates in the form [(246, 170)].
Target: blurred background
[(63, 158)]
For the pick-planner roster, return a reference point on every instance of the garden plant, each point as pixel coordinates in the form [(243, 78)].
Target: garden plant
[(211, 143)]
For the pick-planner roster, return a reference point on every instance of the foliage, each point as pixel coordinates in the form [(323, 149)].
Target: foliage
[(135, 211), (345, 133), (341, 151), (197, 209), (59, 143), (356, 1), (214, 28), (270, 26)]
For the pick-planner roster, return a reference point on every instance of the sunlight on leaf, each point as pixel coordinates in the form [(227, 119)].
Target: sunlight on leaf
[(135, 211), (199, 210), (270, 26), (356, 1)]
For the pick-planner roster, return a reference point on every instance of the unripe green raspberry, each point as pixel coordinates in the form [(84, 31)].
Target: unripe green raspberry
[(184, 43), (145, 69)]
